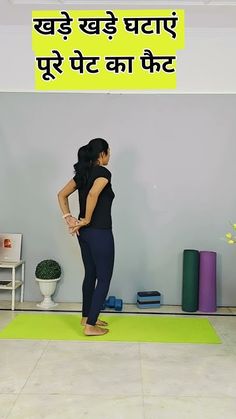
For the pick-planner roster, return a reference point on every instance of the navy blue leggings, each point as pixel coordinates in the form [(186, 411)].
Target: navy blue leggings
[(97, 250)]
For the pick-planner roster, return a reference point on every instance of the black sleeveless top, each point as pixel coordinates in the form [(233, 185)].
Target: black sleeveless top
[(101, 217)]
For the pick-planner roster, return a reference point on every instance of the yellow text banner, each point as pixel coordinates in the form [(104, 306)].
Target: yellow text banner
[(106, 49)]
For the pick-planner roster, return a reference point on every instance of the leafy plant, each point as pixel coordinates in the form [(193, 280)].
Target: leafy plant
[(48, 269), (231, 239)]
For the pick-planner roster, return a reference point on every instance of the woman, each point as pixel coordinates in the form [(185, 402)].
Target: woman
[(93, 229)]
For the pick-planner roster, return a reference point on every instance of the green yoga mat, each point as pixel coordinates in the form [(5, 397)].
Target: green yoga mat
[(190, 280), (122, 328)]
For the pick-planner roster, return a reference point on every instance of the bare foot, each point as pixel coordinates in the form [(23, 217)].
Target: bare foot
[(90, 330), (98, 323)]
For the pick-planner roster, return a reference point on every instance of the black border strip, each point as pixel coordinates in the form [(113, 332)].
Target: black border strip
[(149, 302), (126, 312)]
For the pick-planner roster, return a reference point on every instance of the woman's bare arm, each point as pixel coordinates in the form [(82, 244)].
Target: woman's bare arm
[(91, 202), (63, 194), (92, 198)]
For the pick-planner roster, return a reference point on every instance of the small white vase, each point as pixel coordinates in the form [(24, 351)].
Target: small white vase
[(47, 288)]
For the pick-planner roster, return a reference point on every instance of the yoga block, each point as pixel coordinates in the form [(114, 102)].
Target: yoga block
[(149, 305), (148, 299)]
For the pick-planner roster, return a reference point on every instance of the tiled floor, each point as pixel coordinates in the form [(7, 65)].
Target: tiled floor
[(117, 380)]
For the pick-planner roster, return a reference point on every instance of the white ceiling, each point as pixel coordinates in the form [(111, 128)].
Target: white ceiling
[(199, 13), (157, 2)]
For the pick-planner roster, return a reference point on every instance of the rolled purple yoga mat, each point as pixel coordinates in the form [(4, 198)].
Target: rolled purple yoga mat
[(207, 281)]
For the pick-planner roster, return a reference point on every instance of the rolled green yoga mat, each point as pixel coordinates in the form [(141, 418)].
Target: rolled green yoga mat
[(190, 280)]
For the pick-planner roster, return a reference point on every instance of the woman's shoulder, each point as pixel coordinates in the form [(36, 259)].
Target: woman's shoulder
[(101, 171)]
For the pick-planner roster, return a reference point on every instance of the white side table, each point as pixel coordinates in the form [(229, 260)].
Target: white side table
[(13, 284)]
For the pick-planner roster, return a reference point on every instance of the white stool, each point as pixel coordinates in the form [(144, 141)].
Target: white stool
[(13, 285)]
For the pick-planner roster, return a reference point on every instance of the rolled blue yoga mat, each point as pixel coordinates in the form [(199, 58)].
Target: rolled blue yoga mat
[(190, 280)]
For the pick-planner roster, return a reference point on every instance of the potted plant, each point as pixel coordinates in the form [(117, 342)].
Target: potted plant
[(47, 273)]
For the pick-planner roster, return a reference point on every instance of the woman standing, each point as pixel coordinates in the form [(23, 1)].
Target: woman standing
[(93, 229)]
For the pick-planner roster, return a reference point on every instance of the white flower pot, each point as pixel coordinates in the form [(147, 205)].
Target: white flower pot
[(47, 288)]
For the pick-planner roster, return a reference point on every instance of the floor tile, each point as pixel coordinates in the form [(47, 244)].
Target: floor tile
[(6, 404), (5, 304), (220, 310), (5, 318), (86, 368), (73, 380), (226, 328), (188, 370), (18, 359), (232, 310), (32, 305), (77, 407), (171, 309), (189, 407)]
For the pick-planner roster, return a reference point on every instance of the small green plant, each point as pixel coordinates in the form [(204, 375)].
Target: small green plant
[(48, 269), (231, 239)]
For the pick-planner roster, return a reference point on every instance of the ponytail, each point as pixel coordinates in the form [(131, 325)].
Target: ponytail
[(87, 157)]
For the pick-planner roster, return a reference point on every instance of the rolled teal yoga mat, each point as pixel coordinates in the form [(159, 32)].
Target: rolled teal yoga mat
[(190, 280), (122, 328)]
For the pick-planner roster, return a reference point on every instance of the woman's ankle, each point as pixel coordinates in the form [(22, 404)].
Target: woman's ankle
[(90, 325)]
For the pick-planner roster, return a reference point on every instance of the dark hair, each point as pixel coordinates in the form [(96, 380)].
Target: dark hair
[(87, 157)]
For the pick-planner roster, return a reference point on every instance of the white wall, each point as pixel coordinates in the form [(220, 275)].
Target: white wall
[(173, 165)]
